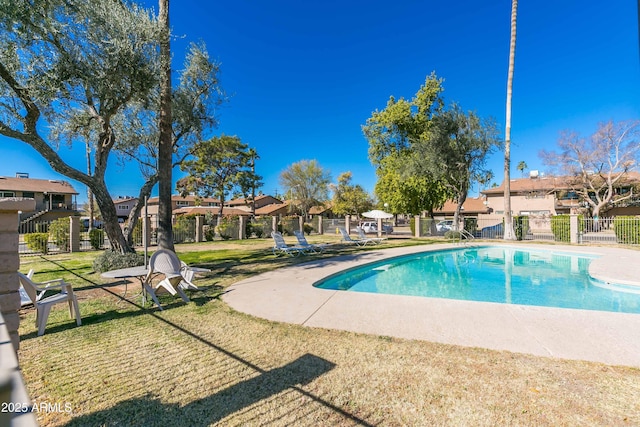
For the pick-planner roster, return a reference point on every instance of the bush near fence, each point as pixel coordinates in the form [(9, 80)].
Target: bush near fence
[(96, 238), (37, 242), (561, 227), (627, 229), (521, 226), (471, 225), (60, 233)]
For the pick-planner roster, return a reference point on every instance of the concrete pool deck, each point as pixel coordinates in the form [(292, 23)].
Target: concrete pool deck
[(287, 295)]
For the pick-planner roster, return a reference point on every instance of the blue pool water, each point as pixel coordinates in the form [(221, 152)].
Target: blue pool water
[(492, 274)]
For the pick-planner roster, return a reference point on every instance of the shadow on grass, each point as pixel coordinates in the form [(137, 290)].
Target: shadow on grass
[(149, 411)]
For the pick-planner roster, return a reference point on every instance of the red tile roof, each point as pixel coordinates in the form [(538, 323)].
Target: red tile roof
[(473, 205)]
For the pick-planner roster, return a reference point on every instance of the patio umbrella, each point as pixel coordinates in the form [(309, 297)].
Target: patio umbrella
[(376, 213)]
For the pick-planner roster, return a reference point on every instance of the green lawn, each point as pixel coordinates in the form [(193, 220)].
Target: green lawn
[(203, 363)]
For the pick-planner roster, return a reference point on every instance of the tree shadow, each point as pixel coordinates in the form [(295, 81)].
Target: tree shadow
[(149, 410)]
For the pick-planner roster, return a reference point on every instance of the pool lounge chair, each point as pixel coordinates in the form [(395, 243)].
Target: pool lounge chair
[(280, 247), (363, 236), (347, 239), (311, 247)]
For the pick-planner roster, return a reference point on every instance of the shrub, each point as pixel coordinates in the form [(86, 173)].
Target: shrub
[(627, 229), (59, 233), (37, 242), (209, 233), (453, 235), (471, 225), (258, 231), (184, 229), (224, 230), (110, 260), (307, 228), (521, 226), (561, 227), (96, 238)]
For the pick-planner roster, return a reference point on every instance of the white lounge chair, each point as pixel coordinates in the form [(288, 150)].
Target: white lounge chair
[(165, 262), (311, 247), (280, 246), (346, 238), (362, 236), (43, 304)]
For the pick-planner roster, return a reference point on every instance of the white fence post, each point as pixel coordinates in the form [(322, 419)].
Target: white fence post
[(417, 226), (574, 230)]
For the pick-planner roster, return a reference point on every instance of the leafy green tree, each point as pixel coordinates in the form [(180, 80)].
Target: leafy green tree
[(71, 62), (419, 142), (406, 192), (394, 129), (218, 166), (455, 151), (349, 199), (392, 134), (73, 71), (307, 184)]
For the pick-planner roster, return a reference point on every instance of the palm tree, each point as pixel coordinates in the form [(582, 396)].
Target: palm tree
[(522, 166), (165, 149), (509, 233)]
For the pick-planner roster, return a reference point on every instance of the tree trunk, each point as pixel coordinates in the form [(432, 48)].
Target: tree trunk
[(110, 219), (89, 192), (509, 233), (165, 149), (134, 214)]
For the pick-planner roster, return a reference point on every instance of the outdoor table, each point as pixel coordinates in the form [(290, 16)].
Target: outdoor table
[(139, 272)]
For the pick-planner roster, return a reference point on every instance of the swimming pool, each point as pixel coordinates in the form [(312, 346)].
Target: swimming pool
[(492, 274)]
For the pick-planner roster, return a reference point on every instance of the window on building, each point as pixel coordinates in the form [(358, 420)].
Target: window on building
[(123, 207), (7, 194), (29, 194), (182, 203)]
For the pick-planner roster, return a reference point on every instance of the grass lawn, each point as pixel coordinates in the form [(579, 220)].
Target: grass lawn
[(202, 363)]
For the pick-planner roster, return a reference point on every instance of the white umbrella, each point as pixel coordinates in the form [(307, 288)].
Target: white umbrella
[(376, 213)]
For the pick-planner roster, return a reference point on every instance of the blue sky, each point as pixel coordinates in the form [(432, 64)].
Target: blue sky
[(304, 76)]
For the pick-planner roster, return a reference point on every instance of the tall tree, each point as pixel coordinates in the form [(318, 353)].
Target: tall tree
[(68, 64), (307, 184), (77, 72), (422, 143), (218, 166), (194, 103), (509, 233), (455, 151), (598, 167), (392, 134), (165, 146), (348, 198)]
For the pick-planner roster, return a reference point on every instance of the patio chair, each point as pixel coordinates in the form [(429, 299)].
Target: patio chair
[(165, 262), (302, 242), (187, 277), (280, 246), (346, 238), (362, 236), (43, 304)]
